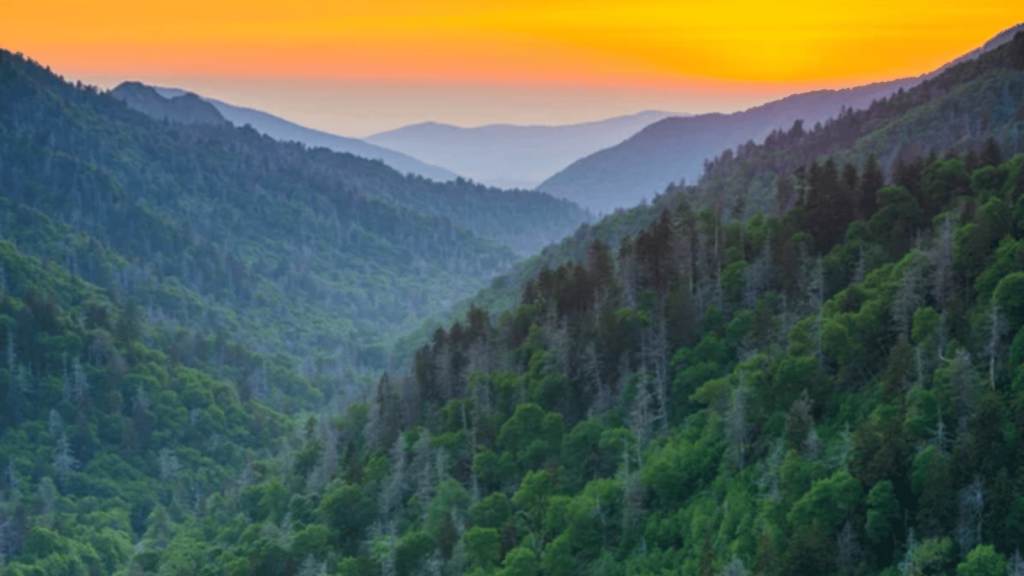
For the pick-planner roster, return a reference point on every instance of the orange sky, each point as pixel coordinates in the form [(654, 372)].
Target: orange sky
[(709, 50)]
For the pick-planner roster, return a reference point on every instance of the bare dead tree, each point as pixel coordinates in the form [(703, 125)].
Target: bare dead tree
[(848, 551), (737, 428), (970, 514), (64, 461), (997, 328), (941, 257), (909, 296)]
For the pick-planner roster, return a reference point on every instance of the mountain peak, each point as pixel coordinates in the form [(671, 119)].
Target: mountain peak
[(186, 108)]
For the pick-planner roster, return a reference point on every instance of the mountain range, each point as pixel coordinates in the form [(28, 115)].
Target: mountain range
[(215, 228), (150, 100), (510, 156), (957, 109), (676, 149)]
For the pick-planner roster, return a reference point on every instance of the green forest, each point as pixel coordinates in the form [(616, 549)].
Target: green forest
[(818, 370), (320, 255)]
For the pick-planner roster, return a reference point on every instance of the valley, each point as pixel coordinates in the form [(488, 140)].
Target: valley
[(233, 345)]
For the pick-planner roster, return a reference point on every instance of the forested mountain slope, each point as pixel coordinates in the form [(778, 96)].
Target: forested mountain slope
[(961, 109), (109, 436), (285, 131), (781, 395), (221, 229), (677, 149)]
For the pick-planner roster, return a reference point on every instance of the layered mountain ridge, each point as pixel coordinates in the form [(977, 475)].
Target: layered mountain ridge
[(676, 149), (512, 156), (215, 228), (285, 131)]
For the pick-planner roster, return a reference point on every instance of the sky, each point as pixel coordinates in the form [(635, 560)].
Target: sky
[(355, 67)]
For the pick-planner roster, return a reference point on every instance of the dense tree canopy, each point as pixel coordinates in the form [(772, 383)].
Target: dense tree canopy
[(834, 388)]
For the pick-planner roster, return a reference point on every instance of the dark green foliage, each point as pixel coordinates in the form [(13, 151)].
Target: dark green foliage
[(870, 183), (717, 396), (896, 220), (883, 511), (1009, 296), (783, 452)]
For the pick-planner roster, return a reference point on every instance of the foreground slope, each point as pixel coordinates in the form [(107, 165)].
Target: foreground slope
[(676, 149), (510, 156), (218, 227), (711, 397), (107, 435)]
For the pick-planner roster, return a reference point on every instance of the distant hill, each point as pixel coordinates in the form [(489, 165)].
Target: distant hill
[(285, 131), (676, 148), (510, 156), (183, 108)]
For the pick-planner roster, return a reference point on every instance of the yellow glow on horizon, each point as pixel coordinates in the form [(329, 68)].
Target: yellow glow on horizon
[(738, 43)]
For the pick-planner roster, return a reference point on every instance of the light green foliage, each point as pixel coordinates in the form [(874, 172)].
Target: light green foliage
[(793, 375), (926, 322), (1009, 258), (492, 511), (558, 557), (520, 562), (733, 280), (836, 342), (982, 561), (412, 550), (988, 181), (680, 467), (483, 546), (532, 497), (451, 502), (931, 556), (531, 435), (827, 501)]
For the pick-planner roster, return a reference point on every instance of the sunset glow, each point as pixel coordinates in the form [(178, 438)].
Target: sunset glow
[(703, 48)]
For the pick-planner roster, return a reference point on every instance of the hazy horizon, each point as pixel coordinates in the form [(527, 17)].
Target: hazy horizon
[(361, 109), (359, 67)]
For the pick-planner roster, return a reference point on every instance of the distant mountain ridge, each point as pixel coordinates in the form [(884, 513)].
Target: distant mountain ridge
[(182, 108), (285, 131), (512, 156), (995, 42), (957, 109), (674, 149)]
